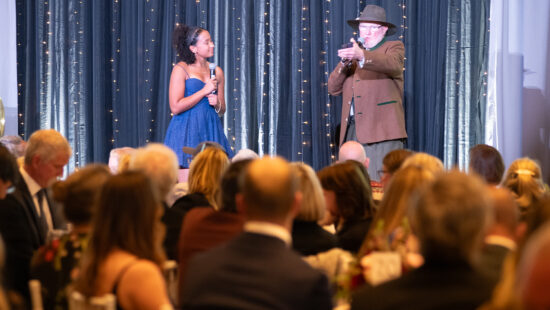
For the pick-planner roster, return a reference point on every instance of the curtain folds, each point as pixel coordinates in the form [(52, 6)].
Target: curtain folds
[(98, 71)]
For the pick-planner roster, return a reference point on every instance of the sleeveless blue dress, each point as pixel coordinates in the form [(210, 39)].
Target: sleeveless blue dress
[(198, 124)]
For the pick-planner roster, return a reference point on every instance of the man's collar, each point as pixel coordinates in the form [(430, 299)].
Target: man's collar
[(270, 229), (32, 185), (377, 45)]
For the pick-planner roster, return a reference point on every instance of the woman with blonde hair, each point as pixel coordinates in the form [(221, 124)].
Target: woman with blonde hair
[(308, 238), (124, 255), (524, 179)]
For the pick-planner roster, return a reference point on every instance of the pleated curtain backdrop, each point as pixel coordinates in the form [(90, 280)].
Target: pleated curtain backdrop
[(98, 71)]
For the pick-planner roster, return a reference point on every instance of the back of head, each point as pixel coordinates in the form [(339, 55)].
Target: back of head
[(119, 159), (351, 187), (505, 210), (205, 172), (245, 154), (79, 193), (8, 166), (128, 219), (523, 178), (312, 208), (450, 217), (352, 150), (486, 161), (229, 184), (394, 159), (159, 163), (268, 189), (182, 38), (15, 144), (426, 161), (46, 143), (404, 184)]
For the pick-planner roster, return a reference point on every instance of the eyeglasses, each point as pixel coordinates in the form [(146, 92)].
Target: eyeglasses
[(370, 27)]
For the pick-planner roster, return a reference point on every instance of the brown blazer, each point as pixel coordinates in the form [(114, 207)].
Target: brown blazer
[(377, 90)]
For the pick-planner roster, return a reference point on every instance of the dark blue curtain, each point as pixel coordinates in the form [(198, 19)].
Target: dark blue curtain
[(98, 71)]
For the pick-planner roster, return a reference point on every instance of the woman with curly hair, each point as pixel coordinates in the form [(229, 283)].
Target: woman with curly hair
[(196, 98)]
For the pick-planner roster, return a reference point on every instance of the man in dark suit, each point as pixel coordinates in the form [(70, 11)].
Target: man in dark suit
[(370, 78), (257, 269), (28, 216), (450, 218)]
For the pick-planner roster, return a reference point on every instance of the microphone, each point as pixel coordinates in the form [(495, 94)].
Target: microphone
[(212, 68), (361, 42)]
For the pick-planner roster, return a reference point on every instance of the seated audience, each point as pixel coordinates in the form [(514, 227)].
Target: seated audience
[(55, 264), (487, 162), (391, 162), (205, 228), (501, 235), (204, 178), (119, 159), (426, 161), (244, 154), (353, 150), (524, 179), (449, 217), (124, 255), (308, 238), (348, 198), (257, 269), (15, 144), (8, 171), (160, 164), (28, 216)]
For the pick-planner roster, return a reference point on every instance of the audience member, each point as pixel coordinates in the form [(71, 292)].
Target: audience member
[(524, 179), (348, 198), (308, 238), (391, 162), (4, 303), (55, 264), (533, 276), (353, 150), (124, 255), (8, 171), (205, 228), (257, 269), (502, 233), (15, 144), (244, 154), (487, 162), (28, 216), (160, 164), (424, 160), (119, 159), (450, 217), (204, 177)]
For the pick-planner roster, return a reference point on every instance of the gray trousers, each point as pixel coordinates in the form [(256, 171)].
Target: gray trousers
[(375, 151)]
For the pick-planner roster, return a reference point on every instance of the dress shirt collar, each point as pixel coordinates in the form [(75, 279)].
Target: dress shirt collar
[(502, 241), (270, 229), (31, 183)]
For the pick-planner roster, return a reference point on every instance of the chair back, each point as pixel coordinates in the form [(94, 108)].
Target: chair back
[(36, 295), (78, 301)]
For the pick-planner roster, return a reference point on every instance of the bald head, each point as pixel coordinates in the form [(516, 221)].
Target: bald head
[(269, 188), (353, 150)]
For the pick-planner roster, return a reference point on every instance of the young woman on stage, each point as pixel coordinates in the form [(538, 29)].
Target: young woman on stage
[(196, 96)]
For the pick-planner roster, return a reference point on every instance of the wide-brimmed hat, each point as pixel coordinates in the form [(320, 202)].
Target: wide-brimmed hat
[(373, 14)]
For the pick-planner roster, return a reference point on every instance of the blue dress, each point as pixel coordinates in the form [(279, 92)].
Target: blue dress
[(198, 124)]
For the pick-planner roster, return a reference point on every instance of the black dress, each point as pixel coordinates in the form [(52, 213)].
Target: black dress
[(308, 238)]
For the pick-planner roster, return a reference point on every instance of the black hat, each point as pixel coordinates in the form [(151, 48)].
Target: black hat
[(200, 147), (373, 14)]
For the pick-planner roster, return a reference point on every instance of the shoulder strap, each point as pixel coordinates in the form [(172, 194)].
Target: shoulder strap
[(183, 67), (121, 274)]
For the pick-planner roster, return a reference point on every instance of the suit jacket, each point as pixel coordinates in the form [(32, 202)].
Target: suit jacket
[(432, 286), (377, 92), (20, 229), (352, 234), (254, 271)]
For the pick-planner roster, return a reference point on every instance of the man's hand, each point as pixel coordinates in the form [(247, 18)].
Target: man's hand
[(351, 53)]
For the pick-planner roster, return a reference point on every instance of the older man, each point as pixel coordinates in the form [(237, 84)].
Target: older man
[(450, 218), (258, 269), (28, 216), (370, 77)]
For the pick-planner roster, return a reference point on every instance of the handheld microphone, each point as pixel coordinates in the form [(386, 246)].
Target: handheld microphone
[(361, 42), (212, 68)]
